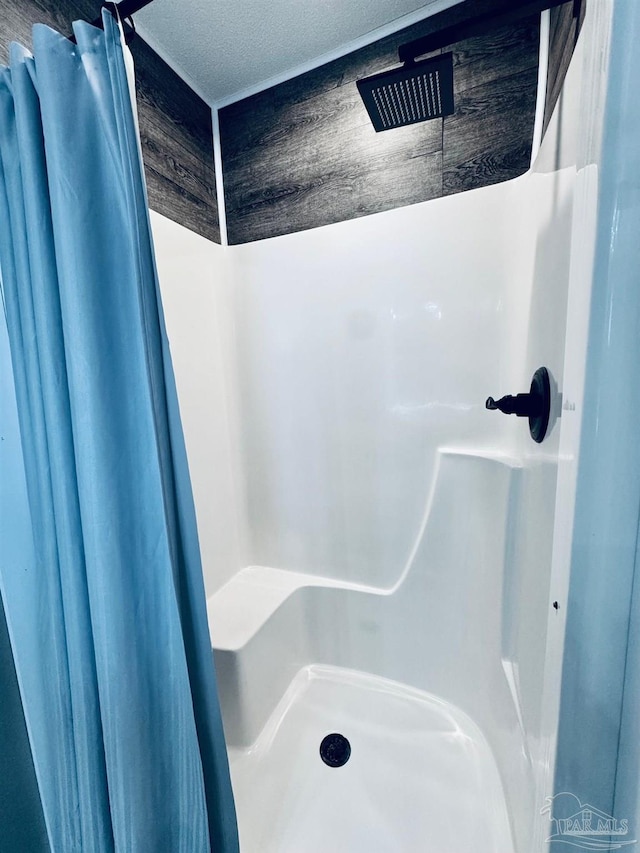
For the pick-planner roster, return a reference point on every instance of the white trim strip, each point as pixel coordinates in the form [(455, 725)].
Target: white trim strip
[(217, 162), (541, 100)]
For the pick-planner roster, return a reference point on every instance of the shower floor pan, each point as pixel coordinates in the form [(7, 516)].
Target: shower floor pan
[(420, 776)]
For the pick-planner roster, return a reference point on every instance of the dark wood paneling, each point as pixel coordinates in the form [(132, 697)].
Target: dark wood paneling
[(563, 33), (488, 140), (175, 124), (304, 153), (497, 56), (322, 161), (177, 145)]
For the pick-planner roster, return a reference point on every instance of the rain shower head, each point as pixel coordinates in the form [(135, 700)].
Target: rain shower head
[(415, 92), (422, 90)]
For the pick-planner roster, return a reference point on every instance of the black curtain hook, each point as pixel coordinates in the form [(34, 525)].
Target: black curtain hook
[(129, 29)]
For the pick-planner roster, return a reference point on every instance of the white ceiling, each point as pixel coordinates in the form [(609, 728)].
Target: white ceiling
[(225, 48)]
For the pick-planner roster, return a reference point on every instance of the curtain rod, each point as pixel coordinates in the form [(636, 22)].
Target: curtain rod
[(123, 10)]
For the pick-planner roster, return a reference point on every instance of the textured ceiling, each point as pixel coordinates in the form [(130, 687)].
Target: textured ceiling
[(224, 47)]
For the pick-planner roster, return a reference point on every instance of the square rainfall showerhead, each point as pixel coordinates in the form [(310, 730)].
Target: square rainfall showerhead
[(416, 92)]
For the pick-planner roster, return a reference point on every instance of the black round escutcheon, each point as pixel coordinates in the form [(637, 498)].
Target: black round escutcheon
[(335, 750), (541, 393)]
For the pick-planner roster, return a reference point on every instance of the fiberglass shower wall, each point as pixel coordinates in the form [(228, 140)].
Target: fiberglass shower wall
[(362, 347), (364, 351)]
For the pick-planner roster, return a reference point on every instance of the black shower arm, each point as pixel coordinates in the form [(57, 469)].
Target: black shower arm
[(511, 10)]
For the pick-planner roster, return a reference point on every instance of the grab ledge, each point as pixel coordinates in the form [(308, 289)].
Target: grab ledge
[(241, 607)]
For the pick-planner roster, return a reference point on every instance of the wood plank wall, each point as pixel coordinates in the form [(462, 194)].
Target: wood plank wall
[(304, 153), (175, 124)]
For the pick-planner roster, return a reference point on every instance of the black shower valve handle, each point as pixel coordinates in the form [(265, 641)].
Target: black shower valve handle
[(521, 405), (536, 405)]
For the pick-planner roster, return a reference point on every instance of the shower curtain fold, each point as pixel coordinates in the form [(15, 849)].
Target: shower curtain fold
[(107, 613)]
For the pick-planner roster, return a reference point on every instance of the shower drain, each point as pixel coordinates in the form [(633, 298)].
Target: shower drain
[(335, 750)]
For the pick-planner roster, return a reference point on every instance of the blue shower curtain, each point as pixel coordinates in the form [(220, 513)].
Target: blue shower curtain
[(99, 562)]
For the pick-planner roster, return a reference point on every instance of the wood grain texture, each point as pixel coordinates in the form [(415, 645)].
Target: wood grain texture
[(321, 161), (304, 153), (177, 145), (488, 140), (563, 33), (496, 56), (175, 124)]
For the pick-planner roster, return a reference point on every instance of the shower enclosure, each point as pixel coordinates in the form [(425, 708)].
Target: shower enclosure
[(385, 559)]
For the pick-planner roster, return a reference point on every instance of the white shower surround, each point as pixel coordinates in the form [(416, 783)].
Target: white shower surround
[(392, 523), (364, 521)]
